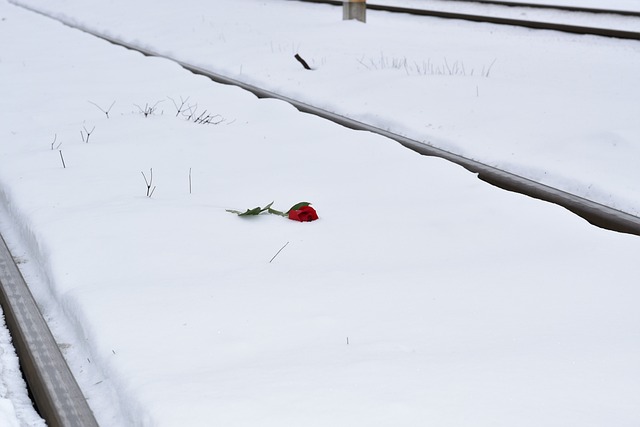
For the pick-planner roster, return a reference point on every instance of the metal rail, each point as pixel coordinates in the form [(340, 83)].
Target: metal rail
[(574, 29), (56, 393), (597, 214), (553, 7)]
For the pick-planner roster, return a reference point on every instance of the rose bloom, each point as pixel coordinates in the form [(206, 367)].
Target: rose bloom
[(305, 213)]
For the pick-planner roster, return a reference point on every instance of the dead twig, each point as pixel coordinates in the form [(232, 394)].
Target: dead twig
[(55, 138), (88, 134), (302, 61), (280, 250), (149, 182), (106, 112)]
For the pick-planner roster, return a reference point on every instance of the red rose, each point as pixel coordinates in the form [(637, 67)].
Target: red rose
[(305, 213)]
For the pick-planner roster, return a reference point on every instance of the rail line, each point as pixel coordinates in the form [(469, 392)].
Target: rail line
[(554, 7), (567, 28), (57, 395)]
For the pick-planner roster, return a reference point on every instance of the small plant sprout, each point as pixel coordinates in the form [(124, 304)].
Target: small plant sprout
[(203, 118), (106, 112), (183, 102), (426, 68), (485, 73), (190, 111), (149, 182), (208, 119), (191, 114), (53, 144), (88, 134), (148, 110)]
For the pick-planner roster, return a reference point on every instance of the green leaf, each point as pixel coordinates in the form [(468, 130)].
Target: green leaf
[(298, 206), (275, 212), (251, 212), (266, 207)]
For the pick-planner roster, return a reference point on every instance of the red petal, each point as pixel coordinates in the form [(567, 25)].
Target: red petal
[(294, 215), (312, 214), (305, 213)]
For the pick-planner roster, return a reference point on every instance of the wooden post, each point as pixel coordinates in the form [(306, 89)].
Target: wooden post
[(354, 9)]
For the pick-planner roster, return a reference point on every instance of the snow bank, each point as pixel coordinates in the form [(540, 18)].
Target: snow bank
[(421, 295)]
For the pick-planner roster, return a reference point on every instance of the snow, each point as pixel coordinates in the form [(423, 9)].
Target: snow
[(16, 409), (421, 296), (562, 94)]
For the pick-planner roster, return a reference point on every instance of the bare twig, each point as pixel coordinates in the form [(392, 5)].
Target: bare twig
[(302, 61), (192, 111), (361, 61), (88, 134), (148, 109), (180, 108), (200, 119), (274, 257), (189, 180), (149, 182), (446, 64), (486, 74), (62, 158), (106, 112), (55, 137)]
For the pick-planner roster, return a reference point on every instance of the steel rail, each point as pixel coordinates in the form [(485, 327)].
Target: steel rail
[(538, 25), (553, 7), (57, 396), (595, 213)]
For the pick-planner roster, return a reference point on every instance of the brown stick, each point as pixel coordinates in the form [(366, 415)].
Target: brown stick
[(302, 61)]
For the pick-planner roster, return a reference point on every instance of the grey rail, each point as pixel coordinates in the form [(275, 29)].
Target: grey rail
[(553, 7), (57, 396)]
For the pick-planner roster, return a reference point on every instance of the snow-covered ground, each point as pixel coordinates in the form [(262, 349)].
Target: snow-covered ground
[(421, 296), (554, 107)]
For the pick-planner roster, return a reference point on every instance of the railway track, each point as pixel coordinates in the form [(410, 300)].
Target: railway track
[(554, 7), (57, 396), (567, 28)]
